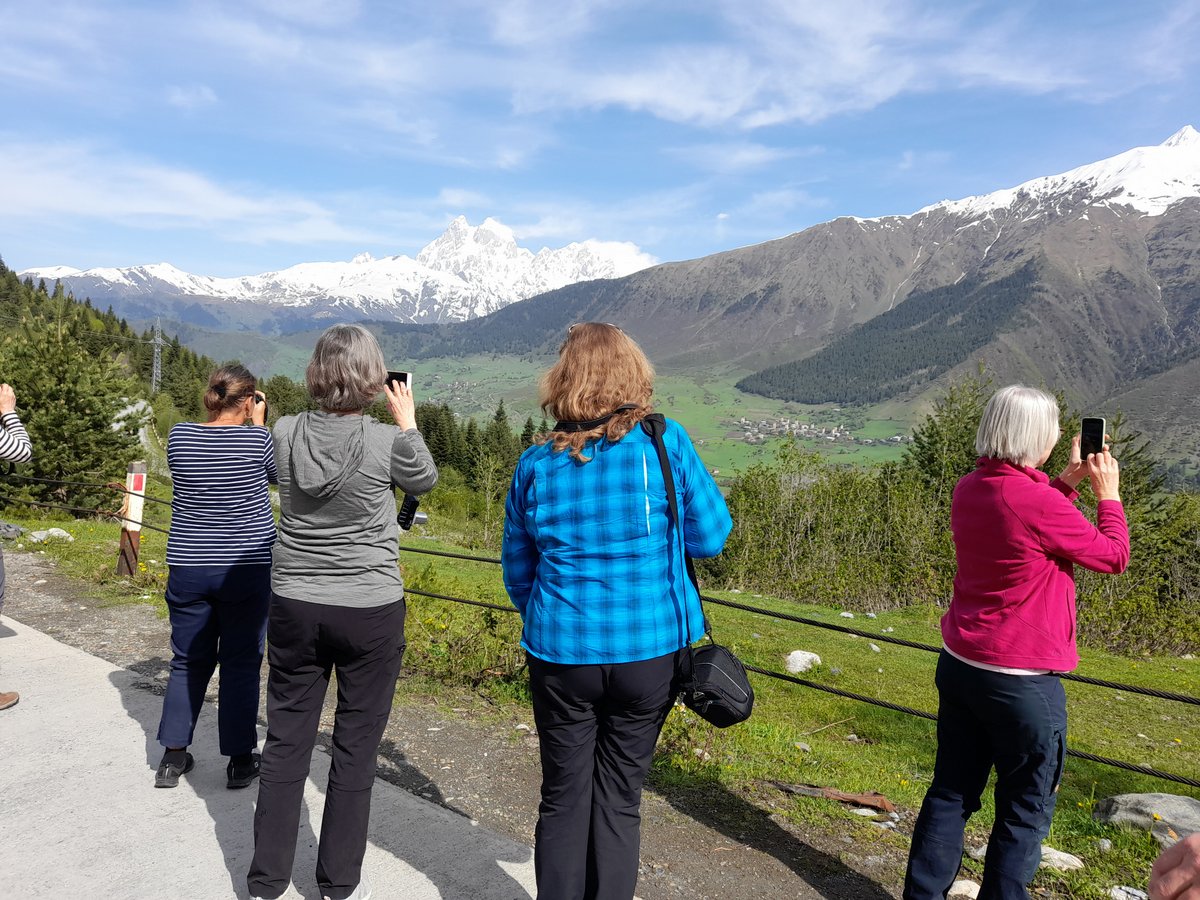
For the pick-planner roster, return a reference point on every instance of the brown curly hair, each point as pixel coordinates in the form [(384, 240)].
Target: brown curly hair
[(599, 368)]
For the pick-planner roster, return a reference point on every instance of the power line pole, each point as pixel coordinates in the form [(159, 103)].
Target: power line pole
[(156, 372)]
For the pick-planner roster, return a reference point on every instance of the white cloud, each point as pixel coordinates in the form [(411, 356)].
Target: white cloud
[(736, 156), (46, 181), (524, 23), (312, 12), (459, 198), (778, 203), (192, 96), (911, 160)]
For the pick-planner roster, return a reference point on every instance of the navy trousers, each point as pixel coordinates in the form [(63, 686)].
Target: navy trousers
[(309, 641), (597, 727), (1016, 723), (218, 616)]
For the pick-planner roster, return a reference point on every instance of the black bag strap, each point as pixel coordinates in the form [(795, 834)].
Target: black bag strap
[(655, 425)]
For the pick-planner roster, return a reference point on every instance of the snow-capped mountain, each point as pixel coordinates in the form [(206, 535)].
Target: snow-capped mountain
[(468, 271), (1088, 280), (1149, 179)]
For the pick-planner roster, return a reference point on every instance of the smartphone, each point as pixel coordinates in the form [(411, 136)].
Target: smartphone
[(1091, 436), (404, 378)]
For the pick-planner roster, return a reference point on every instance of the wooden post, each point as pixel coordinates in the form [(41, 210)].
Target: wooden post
[(131, 524)]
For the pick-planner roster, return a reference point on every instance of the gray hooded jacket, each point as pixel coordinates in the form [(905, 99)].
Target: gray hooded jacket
[(338, 541)]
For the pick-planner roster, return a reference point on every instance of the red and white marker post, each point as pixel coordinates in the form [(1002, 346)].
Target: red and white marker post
[(131, 523)]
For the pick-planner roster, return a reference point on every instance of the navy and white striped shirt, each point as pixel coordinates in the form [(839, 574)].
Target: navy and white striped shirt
[(14, 442), (221, 514)]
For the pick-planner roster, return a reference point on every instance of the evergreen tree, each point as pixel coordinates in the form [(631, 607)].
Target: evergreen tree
[(75, 402)]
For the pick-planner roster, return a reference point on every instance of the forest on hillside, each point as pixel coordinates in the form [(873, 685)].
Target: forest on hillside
[(909, 346)]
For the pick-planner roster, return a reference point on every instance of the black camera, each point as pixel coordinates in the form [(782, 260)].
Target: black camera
[(408, 516)]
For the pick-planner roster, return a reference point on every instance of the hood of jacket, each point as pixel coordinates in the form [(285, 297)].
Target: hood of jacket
[(326, 450)]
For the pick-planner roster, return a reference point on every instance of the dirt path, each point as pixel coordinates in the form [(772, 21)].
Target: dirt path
[(482, 762)]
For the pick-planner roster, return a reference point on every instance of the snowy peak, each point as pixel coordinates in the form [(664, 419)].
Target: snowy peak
[(466, 272), (1149, 179), (1183, 137)]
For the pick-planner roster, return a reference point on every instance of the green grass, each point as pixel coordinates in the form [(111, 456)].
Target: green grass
[(891, 753)]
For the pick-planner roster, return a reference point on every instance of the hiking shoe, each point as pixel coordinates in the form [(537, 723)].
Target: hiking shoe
[(242, 770), (361, 892), (174, 763), (9, 698)]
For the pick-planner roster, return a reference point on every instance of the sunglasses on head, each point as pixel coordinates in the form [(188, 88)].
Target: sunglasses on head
[(609, 324)]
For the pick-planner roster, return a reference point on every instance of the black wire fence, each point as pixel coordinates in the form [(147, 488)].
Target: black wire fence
[(767, 673), (861, 698)]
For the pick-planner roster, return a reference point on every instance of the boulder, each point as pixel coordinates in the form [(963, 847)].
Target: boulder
[(802, 661), (50, 534), (1160, 814)]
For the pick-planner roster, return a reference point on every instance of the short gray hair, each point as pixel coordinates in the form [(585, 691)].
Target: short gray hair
[(346, 371), (1018, 424)]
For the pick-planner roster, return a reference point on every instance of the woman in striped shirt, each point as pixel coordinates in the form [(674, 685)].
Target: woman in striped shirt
[(15, 446), (219, 586)]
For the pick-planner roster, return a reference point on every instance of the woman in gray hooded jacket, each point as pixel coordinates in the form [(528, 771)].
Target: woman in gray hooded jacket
[(337, 603)]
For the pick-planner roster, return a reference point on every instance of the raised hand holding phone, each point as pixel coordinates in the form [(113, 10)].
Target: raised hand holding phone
[(400, 402), (1091, 436)]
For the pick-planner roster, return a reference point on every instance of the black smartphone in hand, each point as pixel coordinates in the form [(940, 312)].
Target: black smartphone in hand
[(1091, 436), (404, 378)]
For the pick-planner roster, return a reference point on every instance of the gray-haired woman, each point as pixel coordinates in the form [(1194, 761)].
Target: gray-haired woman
[(1008, 635), (337, 604)]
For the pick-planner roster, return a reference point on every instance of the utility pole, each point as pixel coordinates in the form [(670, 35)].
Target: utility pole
[(156, 372)]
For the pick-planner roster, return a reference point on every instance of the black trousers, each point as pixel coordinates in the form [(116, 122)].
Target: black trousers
[(597, 727), (1017, 724), (306, 642)]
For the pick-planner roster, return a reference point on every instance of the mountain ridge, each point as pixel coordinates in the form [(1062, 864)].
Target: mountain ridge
[(466, 272)]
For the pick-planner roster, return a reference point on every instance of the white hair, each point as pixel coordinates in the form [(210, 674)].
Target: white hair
[(1018, 424)]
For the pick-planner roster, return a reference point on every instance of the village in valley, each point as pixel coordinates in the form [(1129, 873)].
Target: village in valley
[(762, 430)]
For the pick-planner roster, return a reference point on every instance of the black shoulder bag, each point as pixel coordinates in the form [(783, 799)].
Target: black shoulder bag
[(713, 684)]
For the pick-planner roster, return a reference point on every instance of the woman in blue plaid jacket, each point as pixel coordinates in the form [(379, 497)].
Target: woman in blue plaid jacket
[(600, 581)]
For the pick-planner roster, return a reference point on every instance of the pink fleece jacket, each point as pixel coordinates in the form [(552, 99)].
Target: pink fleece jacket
[(1017, 536)]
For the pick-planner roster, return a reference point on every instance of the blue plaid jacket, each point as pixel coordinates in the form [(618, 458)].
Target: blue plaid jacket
[(586, 557)]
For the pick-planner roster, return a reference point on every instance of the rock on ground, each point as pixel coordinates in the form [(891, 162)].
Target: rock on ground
[(802, 661), (964, 888), (1056, 859), (1157, 813)]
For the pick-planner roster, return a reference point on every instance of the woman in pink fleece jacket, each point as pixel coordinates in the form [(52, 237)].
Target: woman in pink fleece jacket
[(1009, 633)]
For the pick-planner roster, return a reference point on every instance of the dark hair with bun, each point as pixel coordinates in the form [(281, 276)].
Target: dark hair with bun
[(228, 386)]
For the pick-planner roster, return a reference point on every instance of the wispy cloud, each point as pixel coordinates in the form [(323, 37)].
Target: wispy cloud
[(912, 160), (47, 181), (736, 156), (192, 96)]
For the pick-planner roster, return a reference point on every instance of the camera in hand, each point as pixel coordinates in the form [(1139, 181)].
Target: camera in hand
[(408, 516)]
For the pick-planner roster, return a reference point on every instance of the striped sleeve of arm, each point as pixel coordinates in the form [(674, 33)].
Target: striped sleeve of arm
[(14, 441), (706, 520), (269, 459)]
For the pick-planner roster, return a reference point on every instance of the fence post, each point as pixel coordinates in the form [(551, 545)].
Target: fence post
[(131, 524)]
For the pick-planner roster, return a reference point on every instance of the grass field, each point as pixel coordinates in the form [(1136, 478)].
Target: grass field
[(454, 647), (706, 403)]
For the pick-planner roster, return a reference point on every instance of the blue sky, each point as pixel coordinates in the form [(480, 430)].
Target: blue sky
[(241, 137)]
